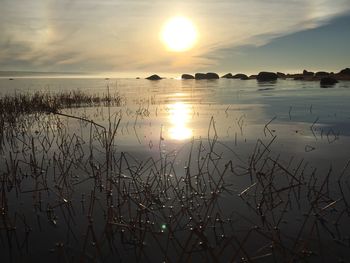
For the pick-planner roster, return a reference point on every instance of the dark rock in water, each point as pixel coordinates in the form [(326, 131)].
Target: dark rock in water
[(154, 77), (281, 75), (240, 76), (344, 74), (187, 76), (253, 76), (308, 73), (138, 78), (266, 76), (209, 75), (345, 71), (299, 77), (227, 76), (328, 81), (237, 76), (10, 78), (200, 76), (321, 74)]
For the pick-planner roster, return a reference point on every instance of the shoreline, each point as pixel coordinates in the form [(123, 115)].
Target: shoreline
[(343, 74)]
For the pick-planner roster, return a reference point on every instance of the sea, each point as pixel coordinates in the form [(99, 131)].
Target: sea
[(306, 119), (300, 125)]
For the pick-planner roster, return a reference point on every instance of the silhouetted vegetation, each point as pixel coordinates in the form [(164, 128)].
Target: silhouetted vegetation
[(11, 106)]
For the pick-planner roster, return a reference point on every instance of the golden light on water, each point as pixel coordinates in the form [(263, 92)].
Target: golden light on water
[(179, 118), (179, 34)]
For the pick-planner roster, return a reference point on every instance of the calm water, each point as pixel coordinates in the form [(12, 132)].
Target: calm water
[(302, 124), (181, 110)]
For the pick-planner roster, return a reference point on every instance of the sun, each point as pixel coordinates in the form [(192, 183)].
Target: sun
[(179, 34)]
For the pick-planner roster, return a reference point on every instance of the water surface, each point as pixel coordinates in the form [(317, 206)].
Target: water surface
[(174, 142)]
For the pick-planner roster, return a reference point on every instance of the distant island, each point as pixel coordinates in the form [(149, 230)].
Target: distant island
[(13, 74)]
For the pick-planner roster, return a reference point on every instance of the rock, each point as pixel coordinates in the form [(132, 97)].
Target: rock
[(253, 76), (227, 76), (308, 73), (344, 74), (328, 81), (154, 77), (200, 76), (266, 76), (211, 75), (138, 78), (345, 71), (299, 77), (187, 76), (291, 76), (240, 76), (321, 74), (208, 75), (281, 75), (237, 76)]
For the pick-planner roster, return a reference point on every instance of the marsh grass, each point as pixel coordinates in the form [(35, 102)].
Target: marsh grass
[(12, 106), (215, 206)]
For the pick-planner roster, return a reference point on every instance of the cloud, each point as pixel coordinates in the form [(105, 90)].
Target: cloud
[(321, 48), (124, 35)]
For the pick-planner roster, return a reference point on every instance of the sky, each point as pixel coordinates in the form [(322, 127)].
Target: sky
[(124, 36)]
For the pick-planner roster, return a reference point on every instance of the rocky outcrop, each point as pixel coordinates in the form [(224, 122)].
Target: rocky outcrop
[(187, 76), (328, 81), (299, 77), (345, 71), (209, 75), (291, 76), (321, 74), (200, 76), (308, 73), (237, 76), (154, 77), (240, 76), (227, 76), (344, 74), (266, 76), (281, 75)]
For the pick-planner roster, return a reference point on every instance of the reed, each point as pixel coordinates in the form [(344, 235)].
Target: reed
[(215, 206), (12, 106)]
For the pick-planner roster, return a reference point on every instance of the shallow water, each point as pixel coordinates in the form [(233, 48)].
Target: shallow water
[(204, 126), (179, 110)]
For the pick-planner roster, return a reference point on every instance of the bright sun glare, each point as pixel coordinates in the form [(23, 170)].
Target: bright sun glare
[(179, 118), (179, 34)]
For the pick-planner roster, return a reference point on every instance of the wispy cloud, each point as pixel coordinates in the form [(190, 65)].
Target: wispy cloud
[(87, 35)]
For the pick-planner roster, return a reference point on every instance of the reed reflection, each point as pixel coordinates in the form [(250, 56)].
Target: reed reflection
[(179, 118)]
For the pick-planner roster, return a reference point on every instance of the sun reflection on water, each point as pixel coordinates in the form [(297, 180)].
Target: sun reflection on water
[(179, 118)]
